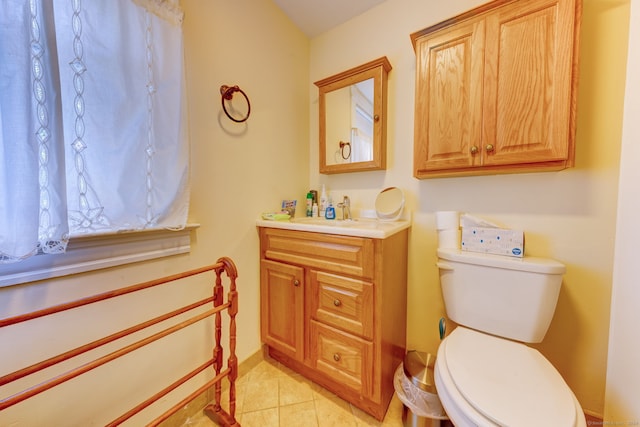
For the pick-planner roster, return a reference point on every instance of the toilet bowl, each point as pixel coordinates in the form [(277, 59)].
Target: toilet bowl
[(483, 380), (485, 373)]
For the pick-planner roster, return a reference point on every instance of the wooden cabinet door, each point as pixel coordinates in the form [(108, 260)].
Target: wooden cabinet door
[(528, 82), (282, 307), (448, 120)]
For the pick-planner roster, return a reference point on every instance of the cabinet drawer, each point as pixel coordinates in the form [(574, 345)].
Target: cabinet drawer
[(342, 357), (339, 254), (342, 302)]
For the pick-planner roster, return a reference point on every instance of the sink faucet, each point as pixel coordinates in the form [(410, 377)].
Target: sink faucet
[(345, 205)]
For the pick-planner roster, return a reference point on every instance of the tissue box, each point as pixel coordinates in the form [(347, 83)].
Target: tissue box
[(498, 241)]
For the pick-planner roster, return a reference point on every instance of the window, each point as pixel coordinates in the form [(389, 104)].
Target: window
[(92, 130), (362, 121)]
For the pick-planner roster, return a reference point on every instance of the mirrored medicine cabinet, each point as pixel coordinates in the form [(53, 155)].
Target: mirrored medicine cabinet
[(353, 106)]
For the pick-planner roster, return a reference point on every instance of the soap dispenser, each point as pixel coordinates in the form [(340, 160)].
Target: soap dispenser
[(330, 212)]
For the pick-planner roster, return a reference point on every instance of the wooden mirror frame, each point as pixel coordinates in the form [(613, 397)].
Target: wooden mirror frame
[(378, 70)]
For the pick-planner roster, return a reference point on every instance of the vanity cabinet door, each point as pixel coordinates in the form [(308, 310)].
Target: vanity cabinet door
[(282, 291)]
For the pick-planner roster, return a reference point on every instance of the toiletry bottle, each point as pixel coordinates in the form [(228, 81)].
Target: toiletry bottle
[(323, 202), (309, 203), (330, 212), (314, 210)]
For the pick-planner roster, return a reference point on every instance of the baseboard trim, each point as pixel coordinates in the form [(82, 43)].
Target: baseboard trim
[(197, 405), (593, 419)]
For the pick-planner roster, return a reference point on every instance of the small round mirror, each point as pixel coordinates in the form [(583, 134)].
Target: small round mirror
[(389, 204)]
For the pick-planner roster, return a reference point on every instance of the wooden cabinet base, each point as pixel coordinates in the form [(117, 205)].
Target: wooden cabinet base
[(375, 409), (333, 308)]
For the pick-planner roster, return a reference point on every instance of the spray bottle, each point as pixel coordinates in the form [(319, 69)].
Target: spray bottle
[(323, 202)]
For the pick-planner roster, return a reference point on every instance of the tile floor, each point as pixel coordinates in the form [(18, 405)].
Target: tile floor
[(271, 395)]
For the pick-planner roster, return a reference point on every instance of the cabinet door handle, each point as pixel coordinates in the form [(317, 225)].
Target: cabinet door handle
[(337, 302), (296, 282), (336, 357), (489, 148), (474, 149)]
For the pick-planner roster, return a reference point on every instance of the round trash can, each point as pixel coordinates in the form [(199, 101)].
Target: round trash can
[(415, 387)]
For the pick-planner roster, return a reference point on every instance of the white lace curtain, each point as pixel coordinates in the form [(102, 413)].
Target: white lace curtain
[(92, 129)]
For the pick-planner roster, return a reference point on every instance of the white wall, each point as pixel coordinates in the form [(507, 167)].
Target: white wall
[(568, 215), (622, 399)]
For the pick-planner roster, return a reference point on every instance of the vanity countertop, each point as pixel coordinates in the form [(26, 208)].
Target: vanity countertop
[(361, 227)]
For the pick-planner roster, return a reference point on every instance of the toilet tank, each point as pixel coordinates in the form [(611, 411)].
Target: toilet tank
[(509, 297)]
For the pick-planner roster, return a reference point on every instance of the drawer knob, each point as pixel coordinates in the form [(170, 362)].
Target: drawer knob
[(336, 357), (489, 148), (474, 150), (337, 302), (296, 282)]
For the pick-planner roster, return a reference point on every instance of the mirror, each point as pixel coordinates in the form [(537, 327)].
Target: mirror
[(389, 204), (352, 124)]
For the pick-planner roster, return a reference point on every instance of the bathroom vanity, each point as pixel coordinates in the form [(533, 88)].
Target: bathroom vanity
[(333, 303)]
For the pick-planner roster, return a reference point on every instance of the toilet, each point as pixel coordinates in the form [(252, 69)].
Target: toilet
[(485, 374)]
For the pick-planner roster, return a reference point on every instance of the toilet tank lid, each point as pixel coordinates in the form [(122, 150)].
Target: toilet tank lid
[(527, 263)]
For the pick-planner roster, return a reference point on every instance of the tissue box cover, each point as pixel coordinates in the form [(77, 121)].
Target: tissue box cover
[(499, 241)]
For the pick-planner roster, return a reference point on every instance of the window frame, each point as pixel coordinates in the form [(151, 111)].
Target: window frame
[(97, 251)]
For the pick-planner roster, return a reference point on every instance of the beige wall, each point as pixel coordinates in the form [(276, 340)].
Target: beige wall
[(242, 170), (238, 171), (568, 215)]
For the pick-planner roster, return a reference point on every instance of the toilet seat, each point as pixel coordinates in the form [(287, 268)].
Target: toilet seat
[(487, 381)]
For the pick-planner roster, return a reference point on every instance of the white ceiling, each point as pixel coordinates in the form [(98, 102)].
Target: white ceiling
[(314, 17)]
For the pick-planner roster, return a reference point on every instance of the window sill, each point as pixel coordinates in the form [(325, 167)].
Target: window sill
[(87, 253)]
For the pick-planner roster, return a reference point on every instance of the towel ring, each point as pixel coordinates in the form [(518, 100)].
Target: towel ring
[(227, 94), (345, 150)]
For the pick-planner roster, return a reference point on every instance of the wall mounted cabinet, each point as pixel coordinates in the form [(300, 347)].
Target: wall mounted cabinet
[(333, 308), (353, 119), (496, 89)]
